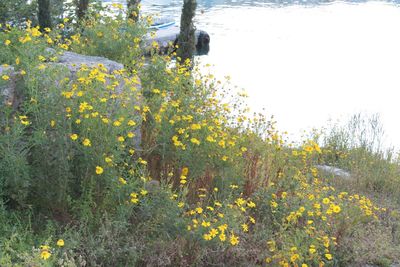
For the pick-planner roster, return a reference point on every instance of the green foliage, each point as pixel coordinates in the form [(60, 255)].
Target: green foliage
[(358, 146), (14, 165), (115, 38), (157, 164), (17, 12)]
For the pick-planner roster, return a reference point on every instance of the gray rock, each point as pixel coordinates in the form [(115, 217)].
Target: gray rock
[(7, 90), (334, 171), (71, 62), (74, 61)]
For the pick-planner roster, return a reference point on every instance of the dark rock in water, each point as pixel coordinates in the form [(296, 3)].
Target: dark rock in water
[(167, 38), (202, 43)]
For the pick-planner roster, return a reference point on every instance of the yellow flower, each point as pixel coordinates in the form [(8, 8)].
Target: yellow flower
[(143, 192), (294, 257), (121, 139), (199, 210), (213, 232), (210, 139), (60, 243), (142, 161), (252, 220), (195, 141), (24, 120), (185, 171), (207, 237), (195, 126), (131, 123), (122, 180), (328, 256), (99, 170), (222, 237), (5, 77), (240, 201), (45, 254), (7, 42), (73, 136), (273, 204), (336, 209), (52, 123), (86, 142), (234, 240), (326, 201), (205, 224)]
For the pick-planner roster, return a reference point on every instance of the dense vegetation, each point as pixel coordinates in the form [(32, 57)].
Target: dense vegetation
[(210, 183)]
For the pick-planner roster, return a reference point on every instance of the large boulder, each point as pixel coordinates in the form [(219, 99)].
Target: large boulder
[(71, 62), (74, 61)]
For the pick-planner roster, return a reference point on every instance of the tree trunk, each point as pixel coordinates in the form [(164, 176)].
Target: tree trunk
[(133, 9), (44, 14), (187, 39), (81, 8)]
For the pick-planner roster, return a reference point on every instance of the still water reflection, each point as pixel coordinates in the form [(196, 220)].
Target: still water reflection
[(305, 61)]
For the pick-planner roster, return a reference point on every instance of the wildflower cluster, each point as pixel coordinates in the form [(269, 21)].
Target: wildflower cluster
[(157, 157)]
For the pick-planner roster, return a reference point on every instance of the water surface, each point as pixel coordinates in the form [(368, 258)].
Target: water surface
[(305, 61)]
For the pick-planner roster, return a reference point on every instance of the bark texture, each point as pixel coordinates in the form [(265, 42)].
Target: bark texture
[(187, 38), (44, 14)]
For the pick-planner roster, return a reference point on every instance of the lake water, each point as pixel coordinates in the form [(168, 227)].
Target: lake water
[(305, 62)]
